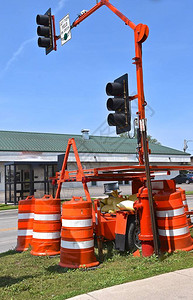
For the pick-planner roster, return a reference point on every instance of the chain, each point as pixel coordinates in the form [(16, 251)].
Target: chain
[(136, 219)]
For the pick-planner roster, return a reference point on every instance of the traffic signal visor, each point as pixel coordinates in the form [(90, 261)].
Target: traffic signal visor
[(44, 30), (120, 104)]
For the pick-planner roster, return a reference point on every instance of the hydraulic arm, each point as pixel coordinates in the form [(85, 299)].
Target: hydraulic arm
[(141, 32)]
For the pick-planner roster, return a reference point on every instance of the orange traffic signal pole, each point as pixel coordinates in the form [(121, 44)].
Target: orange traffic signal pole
[(141, 33)]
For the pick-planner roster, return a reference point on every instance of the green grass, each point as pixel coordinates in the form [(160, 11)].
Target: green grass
[(6, 206), (23, 276), (189, 193)]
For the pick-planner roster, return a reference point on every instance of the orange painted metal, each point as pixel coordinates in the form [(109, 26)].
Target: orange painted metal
[(25, 223), (111, 7), (121, 222), (127, 172), (119, 14), (104, 223), (146, 234), (63, 176), (105, 229), (136, 184), (46, 226), (107, 226), (172, 223), (141, 33), (77, 242)]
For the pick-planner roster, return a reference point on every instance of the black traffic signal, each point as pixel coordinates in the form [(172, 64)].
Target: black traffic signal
[(45, 31), (120, 104)]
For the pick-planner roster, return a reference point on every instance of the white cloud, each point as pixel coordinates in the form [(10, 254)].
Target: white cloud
[(21, 48), (59, 6), (17, 53)]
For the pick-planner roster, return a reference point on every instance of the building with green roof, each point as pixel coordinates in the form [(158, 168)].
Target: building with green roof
[(28, 156)]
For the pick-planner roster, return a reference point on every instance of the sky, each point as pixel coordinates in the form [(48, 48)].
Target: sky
[(64, 91)]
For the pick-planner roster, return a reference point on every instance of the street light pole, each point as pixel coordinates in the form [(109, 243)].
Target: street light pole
[(186, 144)]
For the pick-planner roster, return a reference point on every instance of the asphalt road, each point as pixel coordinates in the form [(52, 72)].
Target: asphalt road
[(8, 230), (8, 223), (186, 187)]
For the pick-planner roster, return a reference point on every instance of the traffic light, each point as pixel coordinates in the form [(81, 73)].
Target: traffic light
[(120, 104), (45, 31)]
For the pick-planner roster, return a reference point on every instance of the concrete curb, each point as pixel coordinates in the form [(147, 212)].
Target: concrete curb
[(174, 285), (12, 209)]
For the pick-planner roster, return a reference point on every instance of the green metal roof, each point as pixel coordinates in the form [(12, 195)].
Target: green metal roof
[(50, 142)]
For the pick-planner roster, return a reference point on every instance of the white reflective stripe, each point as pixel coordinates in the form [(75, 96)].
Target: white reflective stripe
[(76, 223), (173, 232), (47, 217), (170, 213), (25, 232), (96, 218), (77, 245), (185, 202), (25, 216), (98, 208), (46, 235)]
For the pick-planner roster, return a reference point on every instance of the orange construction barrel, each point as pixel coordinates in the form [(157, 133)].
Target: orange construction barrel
[(25, 223), (46, 226), (185, 203), (172, 223), (77, 242)]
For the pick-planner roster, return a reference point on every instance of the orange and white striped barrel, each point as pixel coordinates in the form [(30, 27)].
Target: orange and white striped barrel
[(25, 223), (185, 203), (172, 223), (46, 226), (77, 242)]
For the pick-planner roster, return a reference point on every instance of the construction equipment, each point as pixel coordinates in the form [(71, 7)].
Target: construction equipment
[(123, 226)]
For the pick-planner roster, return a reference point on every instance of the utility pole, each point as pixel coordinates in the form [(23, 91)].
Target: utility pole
[(186, 144)]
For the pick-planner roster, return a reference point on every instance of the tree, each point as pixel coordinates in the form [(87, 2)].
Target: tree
[(153, 140), (124, 135), (149, 138)]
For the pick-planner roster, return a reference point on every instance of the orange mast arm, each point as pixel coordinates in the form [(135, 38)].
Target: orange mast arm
[(140, 34), (111, 7)]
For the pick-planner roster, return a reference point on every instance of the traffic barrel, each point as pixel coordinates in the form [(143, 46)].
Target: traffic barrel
[(77, 242), (25, 223), (46, 226), (185, 203), (172, 223)]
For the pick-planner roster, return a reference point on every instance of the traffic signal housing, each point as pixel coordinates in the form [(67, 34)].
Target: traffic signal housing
[(45, 31), (121, 118)]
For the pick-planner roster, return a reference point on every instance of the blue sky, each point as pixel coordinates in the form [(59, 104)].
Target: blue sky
[(64, 91)]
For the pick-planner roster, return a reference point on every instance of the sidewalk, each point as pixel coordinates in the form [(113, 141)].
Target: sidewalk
[(174, 285)]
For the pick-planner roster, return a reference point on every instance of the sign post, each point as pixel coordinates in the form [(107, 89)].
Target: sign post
[(65, 30)]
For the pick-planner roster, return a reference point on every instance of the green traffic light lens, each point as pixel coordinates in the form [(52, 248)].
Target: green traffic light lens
[(65, 36)]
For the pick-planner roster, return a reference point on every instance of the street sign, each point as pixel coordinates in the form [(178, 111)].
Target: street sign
[(65, 32)]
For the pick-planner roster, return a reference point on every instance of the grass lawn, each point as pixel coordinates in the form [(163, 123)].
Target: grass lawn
[(189, 193), (24, 276), (6, 206)]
